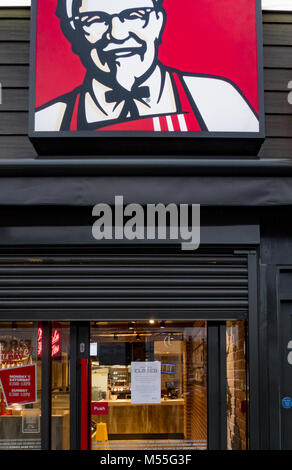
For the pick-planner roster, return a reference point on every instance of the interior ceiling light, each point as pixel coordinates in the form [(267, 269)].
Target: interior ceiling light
[(152, 321), (162, 324)]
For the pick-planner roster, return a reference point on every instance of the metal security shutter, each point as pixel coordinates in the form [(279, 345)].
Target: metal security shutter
[(123, 282)]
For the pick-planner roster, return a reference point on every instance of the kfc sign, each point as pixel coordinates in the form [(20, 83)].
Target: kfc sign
[(146, 68)]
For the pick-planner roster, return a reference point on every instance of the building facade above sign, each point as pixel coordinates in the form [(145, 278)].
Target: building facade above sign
[(146, 76)]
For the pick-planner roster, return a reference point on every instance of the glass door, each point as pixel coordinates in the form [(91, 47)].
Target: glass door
[(148, 385), (164, 385)]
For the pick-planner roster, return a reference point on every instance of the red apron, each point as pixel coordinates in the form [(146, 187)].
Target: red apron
[(178, 122)]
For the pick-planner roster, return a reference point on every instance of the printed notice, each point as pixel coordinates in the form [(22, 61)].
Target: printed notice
[(19, 385), (145, 382), (31, 421)]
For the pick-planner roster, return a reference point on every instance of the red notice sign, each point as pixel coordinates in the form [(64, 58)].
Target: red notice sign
[(19, 385), (99, 408)]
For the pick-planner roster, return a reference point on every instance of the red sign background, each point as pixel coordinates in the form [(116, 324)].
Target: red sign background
[(19, 385), (202, 36)]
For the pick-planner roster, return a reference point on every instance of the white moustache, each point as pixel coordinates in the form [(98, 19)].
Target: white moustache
[(128, 44)]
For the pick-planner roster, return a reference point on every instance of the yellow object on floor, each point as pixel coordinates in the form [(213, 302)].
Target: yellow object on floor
[(101, 434)]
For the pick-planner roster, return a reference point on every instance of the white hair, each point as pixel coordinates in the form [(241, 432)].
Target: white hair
[(69, 11), (69, 8)]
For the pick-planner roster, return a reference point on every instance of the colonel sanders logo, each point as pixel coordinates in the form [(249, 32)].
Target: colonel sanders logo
[(126, 87)]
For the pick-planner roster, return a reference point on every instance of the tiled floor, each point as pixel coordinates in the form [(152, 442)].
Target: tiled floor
[(171, 444)]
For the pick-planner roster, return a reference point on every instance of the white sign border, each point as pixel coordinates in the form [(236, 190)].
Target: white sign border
[(270, 5)]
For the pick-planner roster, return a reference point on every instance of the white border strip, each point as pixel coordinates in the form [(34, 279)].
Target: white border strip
[(15, 3), (280, 5), (156, 124), (169, 124)]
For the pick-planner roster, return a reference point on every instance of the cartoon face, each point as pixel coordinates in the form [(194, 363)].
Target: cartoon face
[(122, 36)]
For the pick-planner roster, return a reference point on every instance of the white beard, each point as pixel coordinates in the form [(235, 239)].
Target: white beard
[(129, 69)]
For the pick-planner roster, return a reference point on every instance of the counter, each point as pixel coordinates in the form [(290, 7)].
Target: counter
[(166, 417)]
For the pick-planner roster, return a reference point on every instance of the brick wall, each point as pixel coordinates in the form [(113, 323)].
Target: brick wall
[(195, 386), (236, 385)]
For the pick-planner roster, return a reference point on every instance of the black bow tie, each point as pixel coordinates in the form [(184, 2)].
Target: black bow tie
[(130, 107)]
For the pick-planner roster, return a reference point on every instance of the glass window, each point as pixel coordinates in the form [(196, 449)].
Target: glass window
[(236, 385), (60, 424), (20, 391), (149, 385)]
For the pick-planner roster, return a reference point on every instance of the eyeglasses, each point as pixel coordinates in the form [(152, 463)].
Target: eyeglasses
[(126, 16)]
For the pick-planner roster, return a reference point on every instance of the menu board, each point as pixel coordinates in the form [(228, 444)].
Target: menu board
[(19, 385), (99, 382), (145, 382)]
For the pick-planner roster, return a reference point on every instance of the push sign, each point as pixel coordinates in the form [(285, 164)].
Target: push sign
[(287, 402)]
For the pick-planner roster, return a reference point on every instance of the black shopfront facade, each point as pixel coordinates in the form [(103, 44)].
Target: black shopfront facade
[(216, 321), (54, 274)]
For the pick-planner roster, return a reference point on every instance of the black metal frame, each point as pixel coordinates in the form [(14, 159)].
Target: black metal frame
[(253, 353), (74, 381), (83, 352), (74, 235), (276, 298), (79, 334), (216, 379), (127, 166), (263, 355), (118, 143), (217, 422), (216, 390), (216, 344), (46, 386)]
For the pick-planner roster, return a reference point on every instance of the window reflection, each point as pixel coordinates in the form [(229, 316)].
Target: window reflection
[(236, 385), (60, 386), (177, 415), (20, 422)]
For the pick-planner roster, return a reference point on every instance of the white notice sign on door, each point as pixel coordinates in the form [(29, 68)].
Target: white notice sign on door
[(145, 382)]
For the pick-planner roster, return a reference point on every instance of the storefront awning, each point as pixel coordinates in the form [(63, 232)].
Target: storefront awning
[(249, 183)]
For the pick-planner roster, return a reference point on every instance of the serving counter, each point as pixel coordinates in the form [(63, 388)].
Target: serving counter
[(123, 417)]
